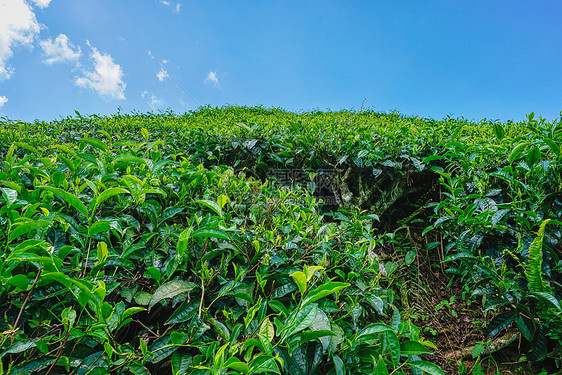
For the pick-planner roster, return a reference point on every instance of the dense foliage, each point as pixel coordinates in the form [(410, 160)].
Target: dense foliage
[(159, 243)]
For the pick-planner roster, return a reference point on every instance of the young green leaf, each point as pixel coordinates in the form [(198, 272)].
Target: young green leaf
[(213, 206), (95, 142), (102, 251), (98, 227), (27, 227), (322, 291), (18, 281), (108, 193), (533, 156), (145, 134), (69, 198), (499, 132), (408, 348), (517, 151), (300, 279)]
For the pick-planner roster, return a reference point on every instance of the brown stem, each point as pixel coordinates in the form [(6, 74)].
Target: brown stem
[(87, 256), (61, 349), (202, 298), (27, 298), (148, 329)]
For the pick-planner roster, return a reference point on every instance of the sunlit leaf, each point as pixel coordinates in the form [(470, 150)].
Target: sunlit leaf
[(170, 289)]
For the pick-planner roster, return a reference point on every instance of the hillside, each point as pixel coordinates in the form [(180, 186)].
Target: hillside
[(253, 240)]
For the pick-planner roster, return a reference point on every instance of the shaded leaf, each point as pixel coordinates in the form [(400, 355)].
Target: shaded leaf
[(500, 322)]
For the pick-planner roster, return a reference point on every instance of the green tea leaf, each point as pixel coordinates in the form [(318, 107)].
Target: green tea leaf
[(237, 365), (526, 326), (210, 233), (547, 297), (303, 318), (517, 151), (222, 200), (395, 324), (538, 345), (381, 368), (102, 251), (18, 281), (181, 362), (553, 146), (106, 194), (394, 346), (533, 156), (27, 147), (98, 227), (500, 322), (300, 279), (498, 216), (428, 367), (145, 134), (264, 364), (95, 142), (27, 227), (170, 289), (370, 332), (408, 348), (322, 291), (10, 195), (499, 132), (69, 198), (19, 347), (213, 206)]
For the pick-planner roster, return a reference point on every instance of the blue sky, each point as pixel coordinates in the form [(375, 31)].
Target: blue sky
[(477, 59)]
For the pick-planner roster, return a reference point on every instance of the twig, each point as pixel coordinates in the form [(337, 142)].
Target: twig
[(28, 295), (87, 256), (202, 298), (61, 349), (148, 329)]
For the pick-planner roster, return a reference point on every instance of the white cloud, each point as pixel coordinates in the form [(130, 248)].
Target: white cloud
[(153, 101), (42, 3), (59, 50), (167, 3), (18, 26), (162, 75), (106, 78), (212, 79), (3, 101)]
